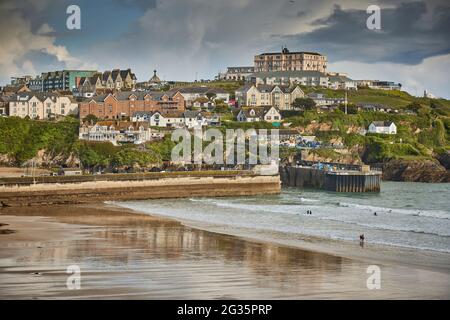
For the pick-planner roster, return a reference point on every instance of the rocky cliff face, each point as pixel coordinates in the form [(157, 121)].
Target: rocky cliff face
[(43, 159), (444, 159), (415, 171)]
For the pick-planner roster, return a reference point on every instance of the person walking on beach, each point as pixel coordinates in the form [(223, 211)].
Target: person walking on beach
[(361, 240)]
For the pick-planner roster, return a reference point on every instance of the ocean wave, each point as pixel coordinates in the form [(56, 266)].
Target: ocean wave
[(420, 213), (308, 200), (384, 227)]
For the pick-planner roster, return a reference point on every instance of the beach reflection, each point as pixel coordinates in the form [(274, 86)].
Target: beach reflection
[(160, 259)]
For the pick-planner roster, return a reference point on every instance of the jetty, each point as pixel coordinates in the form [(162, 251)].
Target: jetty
[(331, 179)]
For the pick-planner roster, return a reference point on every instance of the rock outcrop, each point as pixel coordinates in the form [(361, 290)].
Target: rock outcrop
[(415, 171), (444, 159)]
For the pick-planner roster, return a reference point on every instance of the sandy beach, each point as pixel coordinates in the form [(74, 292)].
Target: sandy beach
[(123, 254)]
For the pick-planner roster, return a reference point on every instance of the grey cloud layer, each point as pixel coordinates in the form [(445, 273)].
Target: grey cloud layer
[(184, 38), (410, 33)]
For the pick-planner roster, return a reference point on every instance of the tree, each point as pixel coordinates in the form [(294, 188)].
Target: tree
[(90, 118), (210, 95), (351, 108), (304, 103), (221, 108)]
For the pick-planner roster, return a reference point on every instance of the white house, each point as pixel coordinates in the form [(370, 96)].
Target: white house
[(385, 127), (189, 119), (255, 114), (340, 81), (116, 132), (194, 119)]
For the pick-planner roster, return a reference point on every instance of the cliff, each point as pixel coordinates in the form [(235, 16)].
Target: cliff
[(415, 171)]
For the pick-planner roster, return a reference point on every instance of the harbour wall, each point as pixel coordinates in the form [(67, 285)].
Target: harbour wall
[(163, 187)]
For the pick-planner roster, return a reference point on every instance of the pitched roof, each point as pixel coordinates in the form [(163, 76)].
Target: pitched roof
[(106, 75), (265, 88), (26, 96), (155, 78), (114, 74), (382, 123), (244, 88), (191, 114), (259, 111), (339, 79)]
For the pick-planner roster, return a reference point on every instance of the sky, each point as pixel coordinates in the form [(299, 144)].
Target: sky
[(195, 39)]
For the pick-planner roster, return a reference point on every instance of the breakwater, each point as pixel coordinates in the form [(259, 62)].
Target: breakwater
[(338, 181), (83, 189)]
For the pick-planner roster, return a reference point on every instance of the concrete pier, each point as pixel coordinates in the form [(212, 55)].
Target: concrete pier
[(339, 181)]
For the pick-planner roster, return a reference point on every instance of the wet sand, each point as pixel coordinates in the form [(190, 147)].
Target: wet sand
[(127, 255)]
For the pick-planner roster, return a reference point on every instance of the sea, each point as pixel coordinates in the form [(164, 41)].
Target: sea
[(403, 214)]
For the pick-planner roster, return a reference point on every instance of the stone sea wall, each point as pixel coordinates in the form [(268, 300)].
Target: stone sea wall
[(169, 187)]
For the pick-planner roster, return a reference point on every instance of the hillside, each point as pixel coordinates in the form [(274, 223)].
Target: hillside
[(421, 138)]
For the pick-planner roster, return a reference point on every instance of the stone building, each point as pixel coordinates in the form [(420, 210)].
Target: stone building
[(290, 61)]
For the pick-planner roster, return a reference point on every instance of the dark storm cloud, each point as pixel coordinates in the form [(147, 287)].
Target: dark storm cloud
[(410, 33), (141, 4)]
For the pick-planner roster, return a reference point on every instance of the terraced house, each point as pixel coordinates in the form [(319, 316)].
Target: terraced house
[(41, 105), (113, 80), (126, 103), (281, 97)]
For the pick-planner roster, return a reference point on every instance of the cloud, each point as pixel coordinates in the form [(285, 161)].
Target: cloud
[(185, 40), (431, 74), (410, 33), (20, 44)]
